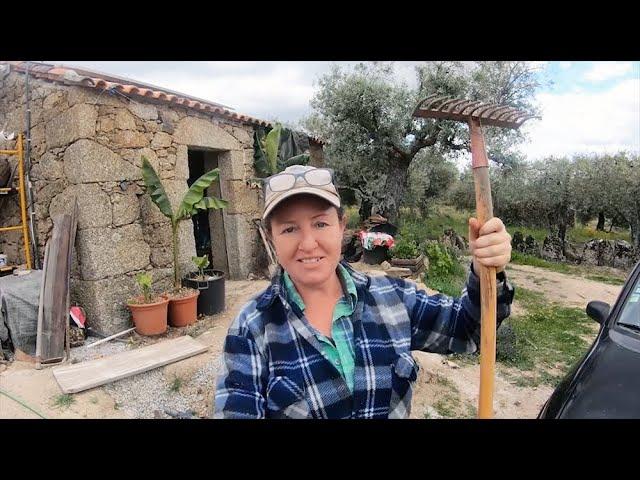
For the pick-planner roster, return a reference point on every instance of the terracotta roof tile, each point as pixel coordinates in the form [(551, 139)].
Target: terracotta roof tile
[(91, 79)]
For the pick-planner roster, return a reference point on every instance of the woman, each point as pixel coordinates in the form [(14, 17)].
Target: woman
[(325, 341)]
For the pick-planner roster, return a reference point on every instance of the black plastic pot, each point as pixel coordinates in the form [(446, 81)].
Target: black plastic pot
[(375, 256), (211, 298)]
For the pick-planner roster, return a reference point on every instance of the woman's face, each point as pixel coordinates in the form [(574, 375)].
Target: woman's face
[(307, 235)]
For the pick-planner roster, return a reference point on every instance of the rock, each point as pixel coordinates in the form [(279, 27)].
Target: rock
[(130, 139), (452, 240), (124, 120), (385, 265), (126, 208), (144, 111), (94, 206), (203, 133), (161, 140), (598, 252), (87, 161), (106, 252), (451, 364), (552, 249), (77, 122)]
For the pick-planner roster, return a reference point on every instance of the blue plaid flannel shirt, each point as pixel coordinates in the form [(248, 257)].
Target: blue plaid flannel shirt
[(272, 366)]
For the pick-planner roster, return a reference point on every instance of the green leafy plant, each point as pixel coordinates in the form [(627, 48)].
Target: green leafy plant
[(405, 249), (64, 400), (144, 280), (201, 263), (270, 157), (193, 201), (441, 262)]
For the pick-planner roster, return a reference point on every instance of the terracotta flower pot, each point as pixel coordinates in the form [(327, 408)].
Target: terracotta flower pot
[(150, 318), (183, 311)]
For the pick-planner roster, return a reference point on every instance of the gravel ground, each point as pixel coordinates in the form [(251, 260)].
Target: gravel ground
[(149, 394)]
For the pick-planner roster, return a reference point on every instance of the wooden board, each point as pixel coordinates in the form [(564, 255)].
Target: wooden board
[(53, 319), (56, 285), (85, 375)]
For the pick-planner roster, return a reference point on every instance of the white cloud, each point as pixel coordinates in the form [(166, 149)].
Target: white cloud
[(601, 71), (565, 65), (606, 121)]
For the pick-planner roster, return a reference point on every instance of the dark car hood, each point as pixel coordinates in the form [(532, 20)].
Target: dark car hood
[(608, 384)]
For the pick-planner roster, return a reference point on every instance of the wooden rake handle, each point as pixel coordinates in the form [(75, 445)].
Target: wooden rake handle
[(488, 302)]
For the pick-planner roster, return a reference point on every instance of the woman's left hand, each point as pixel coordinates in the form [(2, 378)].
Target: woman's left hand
[(489, 245)]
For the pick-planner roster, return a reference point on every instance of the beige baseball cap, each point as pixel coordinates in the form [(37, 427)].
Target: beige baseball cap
[(298, 179)]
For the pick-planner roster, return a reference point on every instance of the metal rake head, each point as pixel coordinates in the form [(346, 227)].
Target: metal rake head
[(437, 106)]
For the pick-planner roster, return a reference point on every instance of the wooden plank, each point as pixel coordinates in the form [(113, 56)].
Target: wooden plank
[(85, 375), (56, 289)]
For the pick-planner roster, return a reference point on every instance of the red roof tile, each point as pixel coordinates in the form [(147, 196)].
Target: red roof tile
[(88, 78)]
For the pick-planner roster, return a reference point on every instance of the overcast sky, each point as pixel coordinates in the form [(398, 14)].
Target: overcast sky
[(591, 106)]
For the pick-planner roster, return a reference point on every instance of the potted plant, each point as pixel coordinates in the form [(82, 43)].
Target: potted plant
[(406, 254), (211, 285), (149, 312), (182, 301)]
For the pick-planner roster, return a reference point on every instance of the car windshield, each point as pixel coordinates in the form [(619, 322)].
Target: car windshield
[(630, 314)]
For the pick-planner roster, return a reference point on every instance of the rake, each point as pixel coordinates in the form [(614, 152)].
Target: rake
[(476, 114)]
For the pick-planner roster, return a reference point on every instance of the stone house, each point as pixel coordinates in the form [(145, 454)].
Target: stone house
[(88, 133)]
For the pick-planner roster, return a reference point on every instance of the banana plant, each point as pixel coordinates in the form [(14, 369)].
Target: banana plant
[(193, 201), (268, 157)]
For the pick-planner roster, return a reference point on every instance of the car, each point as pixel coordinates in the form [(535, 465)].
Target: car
[(605, 383)]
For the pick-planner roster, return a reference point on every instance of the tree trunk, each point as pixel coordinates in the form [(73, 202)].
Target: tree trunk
[(601, 219), (635, 233), (395, 187), (365, 209)]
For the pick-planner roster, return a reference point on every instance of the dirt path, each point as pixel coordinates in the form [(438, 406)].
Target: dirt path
[(562, 288)]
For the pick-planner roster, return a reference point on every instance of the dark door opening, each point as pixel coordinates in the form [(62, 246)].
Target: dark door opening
[(208, 222)]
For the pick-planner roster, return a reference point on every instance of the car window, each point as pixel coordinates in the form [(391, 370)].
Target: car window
[(630, 314)]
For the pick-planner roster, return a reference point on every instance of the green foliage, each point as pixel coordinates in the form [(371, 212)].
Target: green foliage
[(176, 384), (201, 263), (144, 281), (555, 192), (64, 400), (525, 259), (279, 149), (404, 249), (441, 262), (366, 115), (446, 274), (547, 338)]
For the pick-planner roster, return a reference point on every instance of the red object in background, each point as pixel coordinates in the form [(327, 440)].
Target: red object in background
[(78, 316)]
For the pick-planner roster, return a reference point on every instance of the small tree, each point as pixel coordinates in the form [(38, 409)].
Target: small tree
[(192, 201)]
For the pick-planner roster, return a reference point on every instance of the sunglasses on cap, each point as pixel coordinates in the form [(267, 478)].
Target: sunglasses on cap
[(281, 182)]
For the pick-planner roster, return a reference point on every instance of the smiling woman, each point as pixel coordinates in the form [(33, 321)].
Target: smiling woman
[(325, 341)]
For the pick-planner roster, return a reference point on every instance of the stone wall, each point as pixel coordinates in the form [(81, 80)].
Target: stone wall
[(88, 144)]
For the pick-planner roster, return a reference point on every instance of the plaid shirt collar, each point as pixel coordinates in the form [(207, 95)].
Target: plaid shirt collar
[(277, 288)]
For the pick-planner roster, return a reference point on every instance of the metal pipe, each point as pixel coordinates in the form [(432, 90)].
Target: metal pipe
[(32, 229)]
